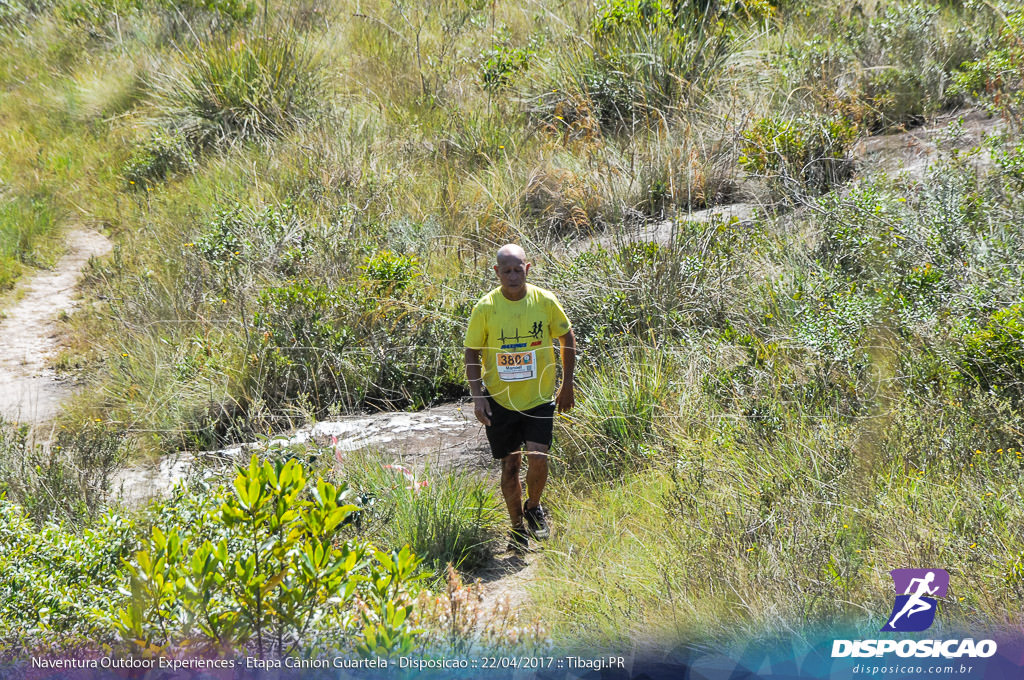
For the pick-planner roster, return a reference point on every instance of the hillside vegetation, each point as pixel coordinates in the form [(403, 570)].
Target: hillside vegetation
[(306, 198)]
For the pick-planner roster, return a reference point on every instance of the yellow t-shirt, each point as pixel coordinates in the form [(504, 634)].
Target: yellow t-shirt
[(516, 339)]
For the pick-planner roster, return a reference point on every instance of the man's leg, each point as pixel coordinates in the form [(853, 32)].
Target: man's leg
[(536, 472), (510, 487)]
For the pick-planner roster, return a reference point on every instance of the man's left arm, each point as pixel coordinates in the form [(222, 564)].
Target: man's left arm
[(566, 397)]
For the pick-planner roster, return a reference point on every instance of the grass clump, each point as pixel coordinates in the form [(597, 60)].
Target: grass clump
[(444, 516), (156, 159), (643, 59), (245, 88), (619, 422)]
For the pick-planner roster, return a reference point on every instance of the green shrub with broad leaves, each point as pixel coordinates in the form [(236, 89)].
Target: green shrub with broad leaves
[(267, 566), (54, 582), (993, 353)]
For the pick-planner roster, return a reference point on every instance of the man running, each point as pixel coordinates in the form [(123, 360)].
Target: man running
[(510, 335), (915, 604)]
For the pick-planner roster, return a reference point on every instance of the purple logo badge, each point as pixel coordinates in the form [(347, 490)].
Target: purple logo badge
[(916, 593)]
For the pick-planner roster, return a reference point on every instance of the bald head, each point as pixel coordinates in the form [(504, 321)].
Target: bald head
[(512, 269), (511, 250)]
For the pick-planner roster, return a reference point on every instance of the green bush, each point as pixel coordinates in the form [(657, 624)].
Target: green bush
[(302, 341), (157, 158), (243, 245), (501, 64), (54, 583), (890, 70), (386, 271), (994, 352), (997, 78), (11, 12), (67, 479), (250, 88), (266, 566), (799, 156)]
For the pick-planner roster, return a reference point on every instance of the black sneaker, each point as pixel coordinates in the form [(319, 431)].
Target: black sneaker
[(518, 541), (536, 521)]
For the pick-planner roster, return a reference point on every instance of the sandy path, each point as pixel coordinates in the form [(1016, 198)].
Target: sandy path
[(30, 390)]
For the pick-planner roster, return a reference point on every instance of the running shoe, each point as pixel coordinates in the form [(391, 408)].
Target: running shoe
[(536, 521)]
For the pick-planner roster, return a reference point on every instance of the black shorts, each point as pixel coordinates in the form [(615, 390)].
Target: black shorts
[(509, 430)]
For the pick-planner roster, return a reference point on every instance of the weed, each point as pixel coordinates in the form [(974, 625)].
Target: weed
[(67, 479)]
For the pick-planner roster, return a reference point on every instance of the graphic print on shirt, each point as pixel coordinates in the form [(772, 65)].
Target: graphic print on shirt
[(522, 365)]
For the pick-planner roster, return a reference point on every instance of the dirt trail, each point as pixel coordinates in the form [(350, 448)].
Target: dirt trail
[(31, 390)]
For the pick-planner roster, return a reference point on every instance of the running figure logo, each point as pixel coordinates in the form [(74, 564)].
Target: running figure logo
[(914, 609)]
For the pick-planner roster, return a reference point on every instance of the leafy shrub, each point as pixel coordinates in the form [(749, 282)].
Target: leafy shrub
[(799, 156), (998, 76), (386, 271), (888, 71), (11, 12), (54, 583), (95, 15), (191, 17), (230, 11), (266, 565), (501, 64), (616, 15), (247, 89), (994, 352), (251, 242), (302, 342), (157, 158)]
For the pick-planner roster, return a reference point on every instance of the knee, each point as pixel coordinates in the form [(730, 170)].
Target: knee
[(537, 458)]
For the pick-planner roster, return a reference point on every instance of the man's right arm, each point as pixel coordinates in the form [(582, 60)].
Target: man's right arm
[(481, 409)]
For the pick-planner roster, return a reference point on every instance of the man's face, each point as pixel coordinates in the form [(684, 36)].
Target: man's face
[(512, 272)]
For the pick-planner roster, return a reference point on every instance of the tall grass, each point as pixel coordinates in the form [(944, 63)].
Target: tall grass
[(241, 88), (65, 479), (444, 516)]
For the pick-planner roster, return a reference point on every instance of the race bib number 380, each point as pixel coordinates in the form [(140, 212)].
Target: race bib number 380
[(514, 366)]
